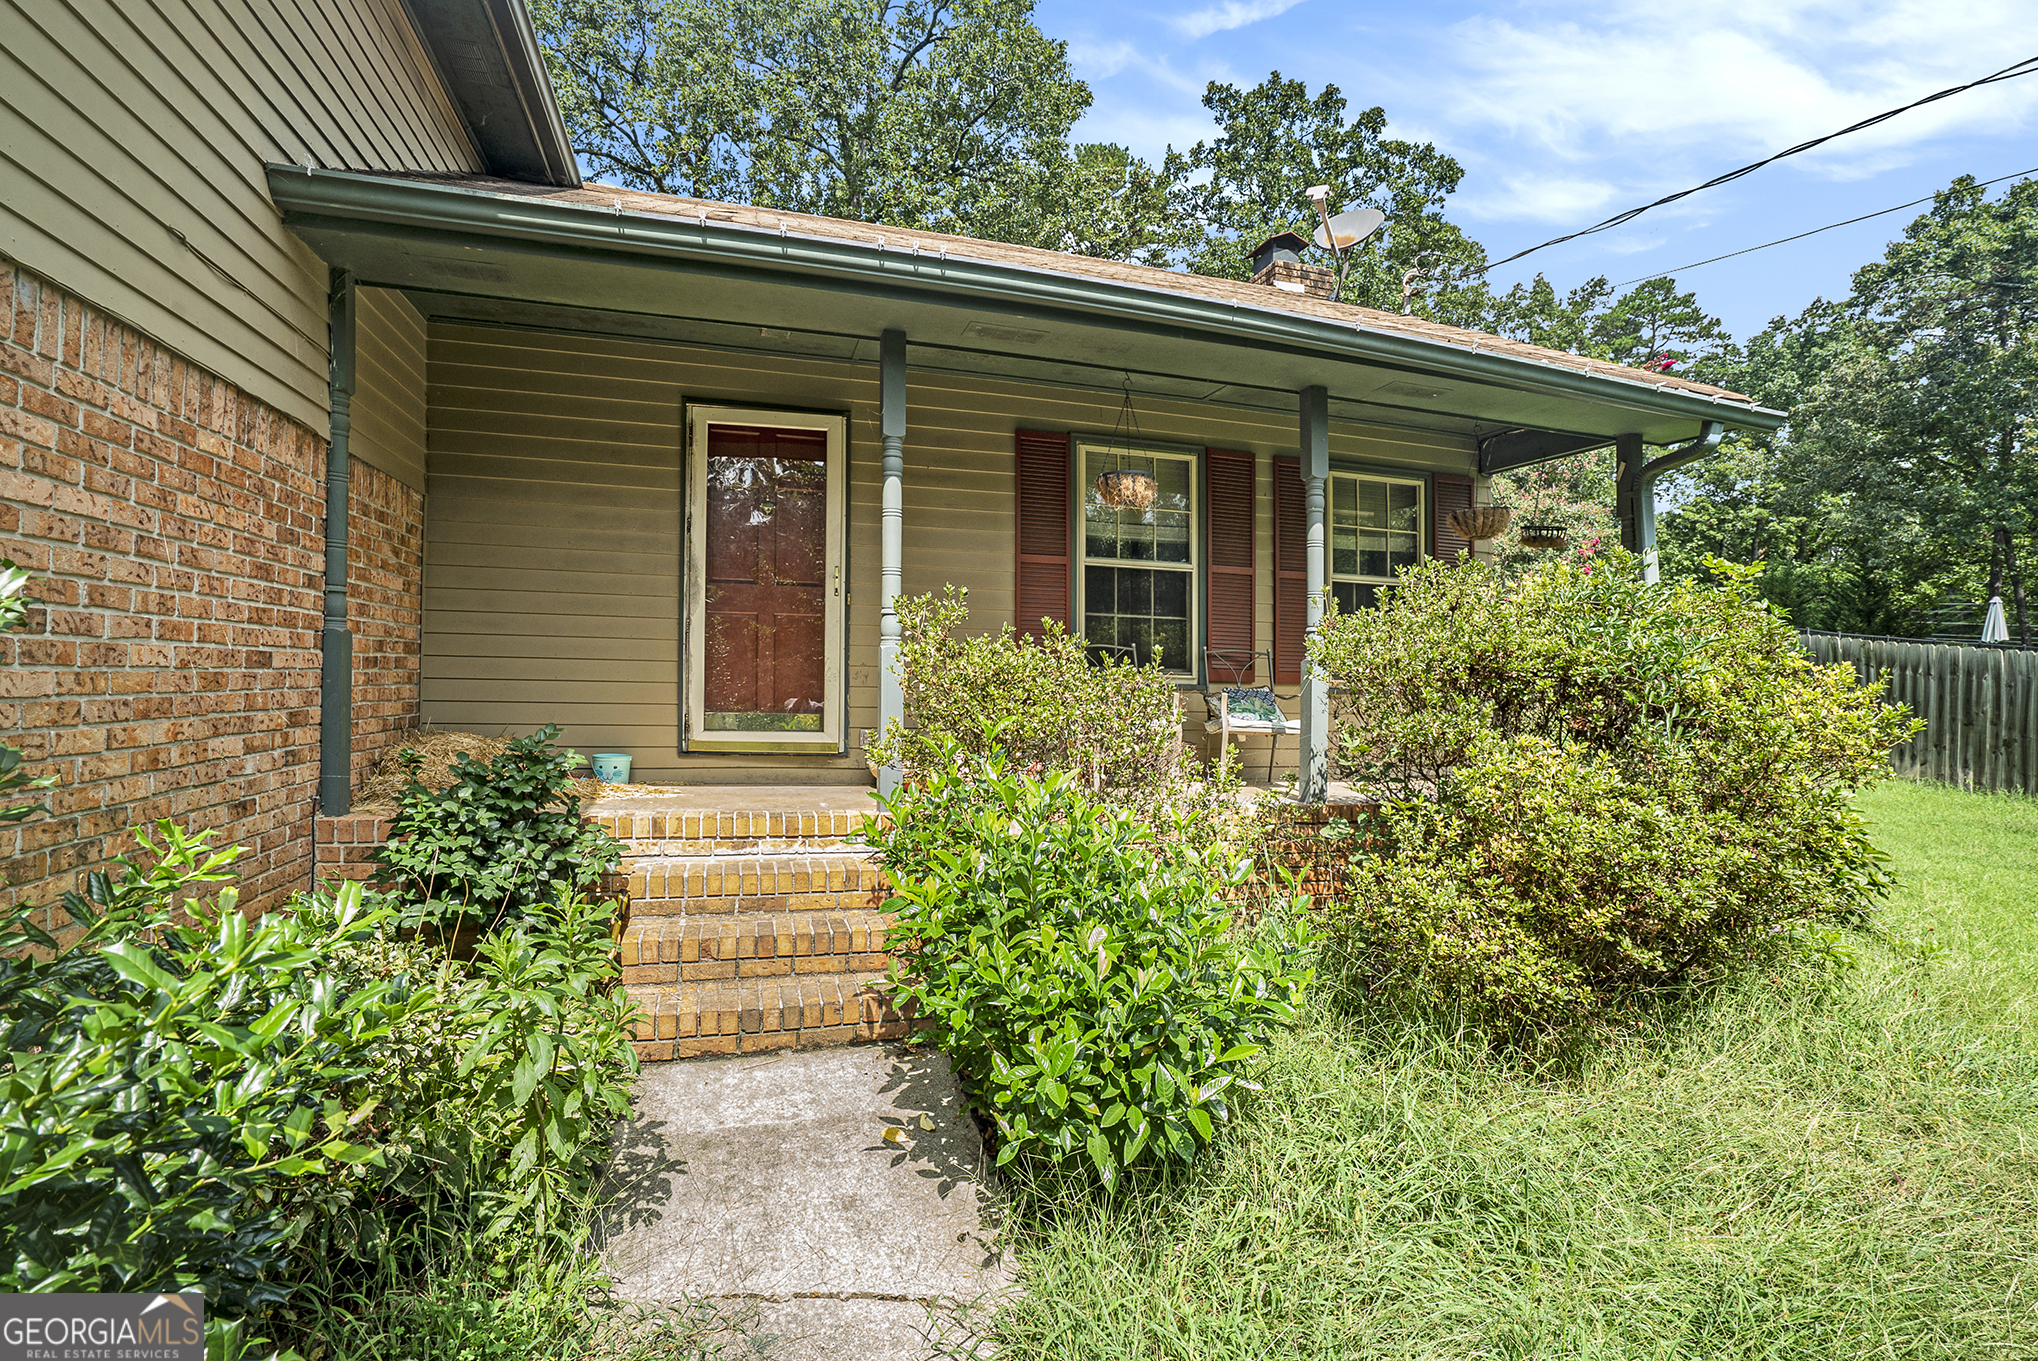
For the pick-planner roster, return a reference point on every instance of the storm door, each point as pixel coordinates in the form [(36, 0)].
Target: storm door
[(764, 590)]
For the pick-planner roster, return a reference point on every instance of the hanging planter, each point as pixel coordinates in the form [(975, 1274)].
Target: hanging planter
[(1130, 488), (1482, 522), (1126, 488), (1546, 536)]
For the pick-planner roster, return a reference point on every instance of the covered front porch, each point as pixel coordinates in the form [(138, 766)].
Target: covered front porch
[(679, 461)]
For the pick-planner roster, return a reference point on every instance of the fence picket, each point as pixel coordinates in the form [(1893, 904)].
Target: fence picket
[(1980, 705)]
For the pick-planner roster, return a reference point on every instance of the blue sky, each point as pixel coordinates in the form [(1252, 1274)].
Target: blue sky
[(1564, 114)]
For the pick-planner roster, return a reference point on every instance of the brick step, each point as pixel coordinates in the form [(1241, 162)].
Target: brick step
[(728, 948), (720, 833), (690, 1020), (837, 880)]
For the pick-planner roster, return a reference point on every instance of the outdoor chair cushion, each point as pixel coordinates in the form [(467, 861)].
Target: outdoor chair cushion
[(1253, 709)]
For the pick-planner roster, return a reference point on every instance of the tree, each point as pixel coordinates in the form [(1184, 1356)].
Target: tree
[(1907, 472), (950, 115), (1276, 140)]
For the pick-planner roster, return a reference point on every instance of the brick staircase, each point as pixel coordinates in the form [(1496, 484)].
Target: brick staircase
[(750, 929)]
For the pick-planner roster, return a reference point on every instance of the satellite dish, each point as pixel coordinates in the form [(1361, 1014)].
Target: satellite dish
[(1349, 228)]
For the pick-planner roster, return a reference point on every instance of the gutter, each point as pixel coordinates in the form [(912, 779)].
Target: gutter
[(340, 199)]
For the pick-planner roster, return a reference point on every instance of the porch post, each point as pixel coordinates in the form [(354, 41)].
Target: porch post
[(891, 697), (1628, 489), (336, 644), (1313, 776)]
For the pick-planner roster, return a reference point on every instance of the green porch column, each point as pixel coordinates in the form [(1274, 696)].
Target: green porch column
[(891, 696), (336, 644), (1312, 779)]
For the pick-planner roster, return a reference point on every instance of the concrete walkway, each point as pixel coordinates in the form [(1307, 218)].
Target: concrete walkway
[(767, 1184)]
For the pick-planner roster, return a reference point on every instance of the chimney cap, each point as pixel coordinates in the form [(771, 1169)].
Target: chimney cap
[(1286, 243)]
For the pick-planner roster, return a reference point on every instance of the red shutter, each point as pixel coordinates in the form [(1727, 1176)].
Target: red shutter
[(1040, 464), (1449, 492), (1291, 570), (1228, 539)]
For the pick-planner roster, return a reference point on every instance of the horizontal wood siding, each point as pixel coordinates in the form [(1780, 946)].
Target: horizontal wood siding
[(388, 428), (553, 560), (132, 141)]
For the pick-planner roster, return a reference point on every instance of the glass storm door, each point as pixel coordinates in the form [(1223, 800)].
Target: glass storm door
[(765, 590)]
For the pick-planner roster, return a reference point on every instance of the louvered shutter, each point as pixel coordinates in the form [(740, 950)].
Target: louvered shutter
[(1040, 462), (1291, 570), (1228, 549), (1449, 492)]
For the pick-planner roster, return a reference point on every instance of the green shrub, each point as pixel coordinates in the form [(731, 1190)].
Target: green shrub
[(1592, 787), (14, 602), (1080, 971), (167, 1074), (1116, 726), (498, 845), (191, 1098)]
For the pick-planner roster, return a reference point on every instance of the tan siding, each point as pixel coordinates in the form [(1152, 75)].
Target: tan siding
[(389, 396), (552, 585), (132, 141)]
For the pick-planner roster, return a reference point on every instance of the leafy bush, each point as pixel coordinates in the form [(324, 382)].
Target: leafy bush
[(167, 1072), (1116, 726), (1592, 787), (190, 1098), (500, 844), (14, 602), (1080, 971)]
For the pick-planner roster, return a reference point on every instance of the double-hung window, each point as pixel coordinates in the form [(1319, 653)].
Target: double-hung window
[(1137, 577), (1375, 532)]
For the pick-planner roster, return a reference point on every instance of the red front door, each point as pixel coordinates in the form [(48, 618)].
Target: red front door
[(766, 557)]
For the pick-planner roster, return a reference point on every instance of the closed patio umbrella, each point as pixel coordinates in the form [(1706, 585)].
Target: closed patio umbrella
[(1995, 628)]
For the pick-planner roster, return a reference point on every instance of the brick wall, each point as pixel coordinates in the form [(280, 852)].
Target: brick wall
[(385, 607), (174, 528)]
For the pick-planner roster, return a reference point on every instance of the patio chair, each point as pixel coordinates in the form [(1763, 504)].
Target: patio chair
[(1239, 708)]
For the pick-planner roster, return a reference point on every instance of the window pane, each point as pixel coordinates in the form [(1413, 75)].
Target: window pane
[(1344, 520), (1372, 504), (1171, 536), (1140, 608), (1403, 502), (1401, 550), (1352, 596), (1372, 555)]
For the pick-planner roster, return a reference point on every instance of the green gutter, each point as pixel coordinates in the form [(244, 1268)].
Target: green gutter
[(340, 197)]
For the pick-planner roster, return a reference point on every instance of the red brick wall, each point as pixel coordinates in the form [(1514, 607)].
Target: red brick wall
[(385, 607), (174, 527)]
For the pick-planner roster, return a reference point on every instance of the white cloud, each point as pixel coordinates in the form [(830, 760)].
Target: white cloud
[(1737, 79), (1228, 15)]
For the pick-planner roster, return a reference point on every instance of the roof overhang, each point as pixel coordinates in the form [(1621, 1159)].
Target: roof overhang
[(521, 260), (488, 58)]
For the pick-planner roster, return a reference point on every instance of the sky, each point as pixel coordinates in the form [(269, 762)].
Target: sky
[(1564, 114)]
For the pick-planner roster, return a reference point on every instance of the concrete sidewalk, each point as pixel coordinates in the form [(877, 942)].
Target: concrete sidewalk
[(767, 1184)]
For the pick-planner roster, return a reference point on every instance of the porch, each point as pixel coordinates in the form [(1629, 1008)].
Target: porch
[(679, 460)]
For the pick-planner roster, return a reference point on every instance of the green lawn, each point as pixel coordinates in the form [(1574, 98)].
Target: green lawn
[(1797, 1168)]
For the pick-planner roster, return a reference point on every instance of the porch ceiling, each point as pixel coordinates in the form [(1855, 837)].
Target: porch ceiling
[(465, 255)]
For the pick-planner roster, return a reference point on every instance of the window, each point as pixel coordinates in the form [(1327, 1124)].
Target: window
[(1138, 568), (1375, 532)]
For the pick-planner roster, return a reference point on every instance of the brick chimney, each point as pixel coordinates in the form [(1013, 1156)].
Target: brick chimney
[(1278, 261)]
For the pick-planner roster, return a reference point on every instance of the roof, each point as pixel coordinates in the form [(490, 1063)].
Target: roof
[(488, 58), (610, 198)]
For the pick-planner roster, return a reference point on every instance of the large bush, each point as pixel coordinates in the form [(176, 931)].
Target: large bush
[(1115, 726), (498, 845), (1591, 787), (1080, 969), (192, 1099)]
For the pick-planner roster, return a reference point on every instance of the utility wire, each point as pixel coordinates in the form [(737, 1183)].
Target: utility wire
[(2023, 68), (1661, 273)]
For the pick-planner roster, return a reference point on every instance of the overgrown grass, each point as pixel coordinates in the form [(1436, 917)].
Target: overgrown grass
[(1805, 1165)]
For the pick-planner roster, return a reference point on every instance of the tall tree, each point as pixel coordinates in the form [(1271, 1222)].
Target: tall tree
[(951, 115), (1276, 140)]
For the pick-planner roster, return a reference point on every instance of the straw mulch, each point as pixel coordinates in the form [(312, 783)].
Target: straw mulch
[(380, 792)]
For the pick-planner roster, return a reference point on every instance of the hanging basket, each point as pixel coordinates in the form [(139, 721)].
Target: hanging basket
[(1482, 522), (1546, 536), (1130, 488)]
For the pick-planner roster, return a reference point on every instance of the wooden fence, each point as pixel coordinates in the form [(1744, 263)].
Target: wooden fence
[(1980, 705)]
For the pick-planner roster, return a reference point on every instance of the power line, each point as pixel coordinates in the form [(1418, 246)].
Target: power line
[(1661, 273), (2022, 68)]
